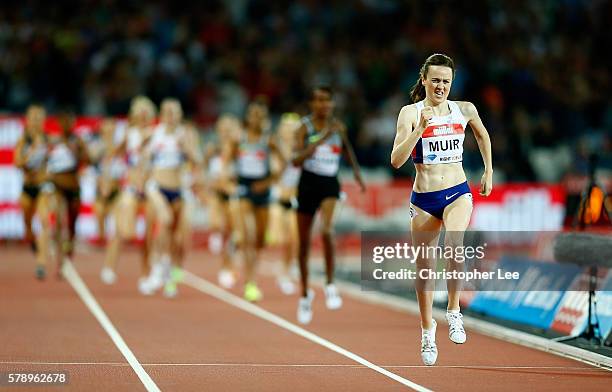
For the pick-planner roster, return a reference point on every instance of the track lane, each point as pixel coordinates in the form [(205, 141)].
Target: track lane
[(46, 322), (243, 351)]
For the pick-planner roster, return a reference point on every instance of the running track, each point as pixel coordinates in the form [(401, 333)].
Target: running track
[(208, 340)]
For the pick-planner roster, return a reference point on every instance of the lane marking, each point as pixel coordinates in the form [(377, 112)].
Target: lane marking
[(71, 274), (323, 365), (208, 288), (390, 301)]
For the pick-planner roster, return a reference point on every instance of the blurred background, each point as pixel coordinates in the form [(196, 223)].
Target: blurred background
[(536, 70)]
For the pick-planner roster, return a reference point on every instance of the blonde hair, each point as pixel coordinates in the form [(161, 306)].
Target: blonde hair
[(171, 101), (290, 119), (140, 103)]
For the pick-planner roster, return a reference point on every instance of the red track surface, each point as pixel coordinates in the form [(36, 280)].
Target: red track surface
[(196, 342)]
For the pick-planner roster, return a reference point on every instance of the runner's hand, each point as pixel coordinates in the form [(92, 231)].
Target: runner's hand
[(486, 184), (426, 115)]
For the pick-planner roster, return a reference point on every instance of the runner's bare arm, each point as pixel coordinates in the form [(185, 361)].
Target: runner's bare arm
[(20, 158), (484, 145), (303, 150), (406, 137), (352, 159)]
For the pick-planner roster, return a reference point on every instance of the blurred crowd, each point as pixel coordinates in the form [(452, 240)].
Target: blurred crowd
[(537, 70)]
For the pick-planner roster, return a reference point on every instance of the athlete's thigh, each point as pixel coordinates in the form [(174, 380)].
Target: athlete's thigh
[(226, 216), (26, 202), (164, 212), (181, 215), (292, 224), (247, 219), (456, 220), (216, 212), (124, 211), (424, 227), (328, 209), (457, 214), (44, 204), (262, 214), (289, 225)]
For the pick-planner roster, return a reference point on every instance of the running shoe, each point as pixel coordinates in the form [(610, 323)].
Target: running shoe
[(226, 279), (456, 332), (156, 277), (333, 300), (176, 275), (171, 286), (304, 310), (41, 273), (144, 286), (252, 293), (166, 269), (170, 290), (68, 248), (286, 285), (429, 350), (108, 276)]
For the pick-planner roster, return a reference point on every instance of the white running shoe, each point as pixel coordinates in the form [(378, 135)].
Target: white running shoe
[(304, 310), (456, 332), (166, 267), (226, 279), (170, 290), (144, 286), (429, 350), (286, 285), (108, 276), (155, 281), (332, 297)]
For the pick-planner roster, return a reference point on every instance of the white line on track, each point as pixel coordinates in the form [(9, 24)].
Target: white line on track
[(290, 365), (206, 287), (79, 286), (484, 327)]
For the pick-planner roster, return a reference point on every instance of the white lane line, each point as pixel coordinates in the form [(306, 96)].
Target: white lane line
[(206, 287), (79, 286), (290, 365), (484, 327)]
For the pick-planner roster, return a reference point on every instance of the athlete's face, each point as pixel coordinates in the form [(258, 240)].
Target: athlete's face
[(35, 119), (227, 127), (322, 103), (143, 117), (66, 122), (171, 113), (438, 83), (256, 116)]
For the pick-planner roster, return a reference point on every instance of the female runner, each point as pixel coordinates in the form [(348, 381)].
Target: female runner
[(61, 191), (252, 156), (287, 192), (110, 170), (170, 145), (431, 131), (30, 157), (218, 197), (131, 200), (320, 141)]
